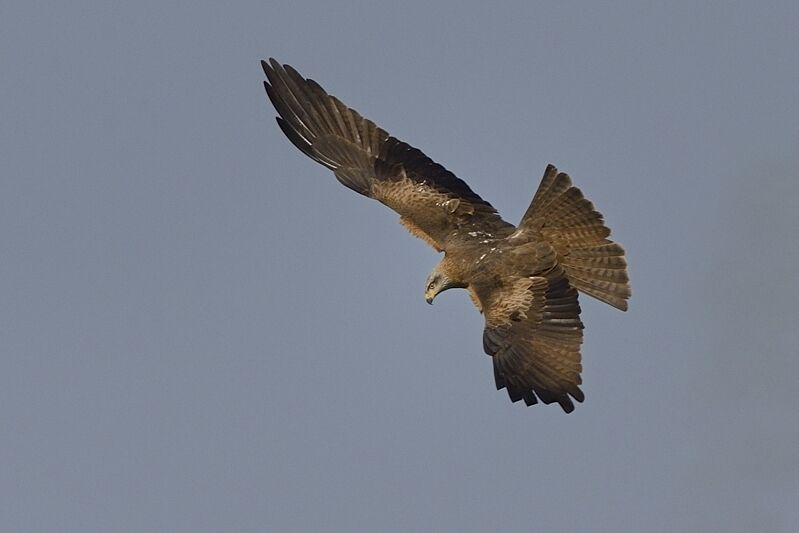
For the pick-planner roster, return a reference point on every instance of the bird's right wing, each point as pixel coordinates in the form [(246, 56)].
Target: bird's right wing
[(533, 333), (433, 203)]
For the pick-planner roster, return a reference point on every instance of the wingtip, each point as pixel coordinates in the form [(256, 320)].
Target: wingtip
[(577, 393), (530, 399), (292, 72), (566, 405), (275, 64), (268, 66)]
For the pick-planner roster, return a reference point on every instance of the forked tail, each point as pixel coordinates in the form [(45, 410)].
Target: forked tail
[(593, 263)]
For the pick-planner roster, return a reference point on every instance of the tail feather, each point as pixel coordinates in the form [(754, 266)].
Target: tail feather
[(593, 264)]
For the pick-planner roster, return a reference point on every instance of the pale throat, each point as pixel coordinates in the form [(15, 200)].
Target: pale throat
[(444, 279)]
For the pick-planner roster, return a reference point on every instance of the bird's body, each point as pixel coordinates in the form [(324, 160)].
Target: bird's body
[(524, 278)]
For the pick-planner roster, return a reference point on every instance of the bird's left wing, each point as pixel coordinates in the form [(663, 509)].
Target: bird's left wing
[(433, 203)]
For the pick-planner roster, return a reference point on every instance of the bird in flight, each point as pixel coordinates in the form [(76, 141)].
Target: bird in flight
[(524, 279)]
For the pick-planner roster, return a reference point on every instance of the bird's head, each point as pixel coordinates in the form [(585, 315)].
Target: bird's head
[(439, 281)]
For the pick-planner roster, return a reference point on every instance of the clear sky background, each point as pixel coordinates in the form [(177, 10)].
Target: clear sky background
[(202, 331)]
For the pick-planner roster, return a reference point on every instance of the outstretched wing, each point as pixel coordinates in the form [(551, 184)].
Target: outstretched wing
[(433, 203), (533, 333)]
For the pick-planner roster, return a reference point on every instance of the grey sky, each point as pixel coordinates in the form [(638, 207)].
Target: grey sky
[(203, 331)]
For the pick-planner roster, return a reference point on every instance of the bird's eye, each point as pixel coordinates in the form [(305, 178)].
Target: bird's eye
[(430, 287)]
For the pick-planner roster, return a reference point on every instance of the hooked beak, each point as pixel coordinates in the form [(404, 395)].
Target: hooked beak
[(429, 296)]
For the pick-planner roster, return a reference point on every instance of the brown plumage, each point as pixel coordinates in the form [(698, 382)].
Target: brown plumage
[(524, 278)]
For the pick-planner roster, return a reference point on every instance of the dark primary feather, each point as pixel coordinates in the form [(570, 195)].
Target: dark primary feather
[(319, 125), (361, 154)]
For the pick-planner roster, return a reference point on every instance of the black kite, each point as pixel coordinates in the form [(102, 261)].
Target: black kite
[(524, 279)]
